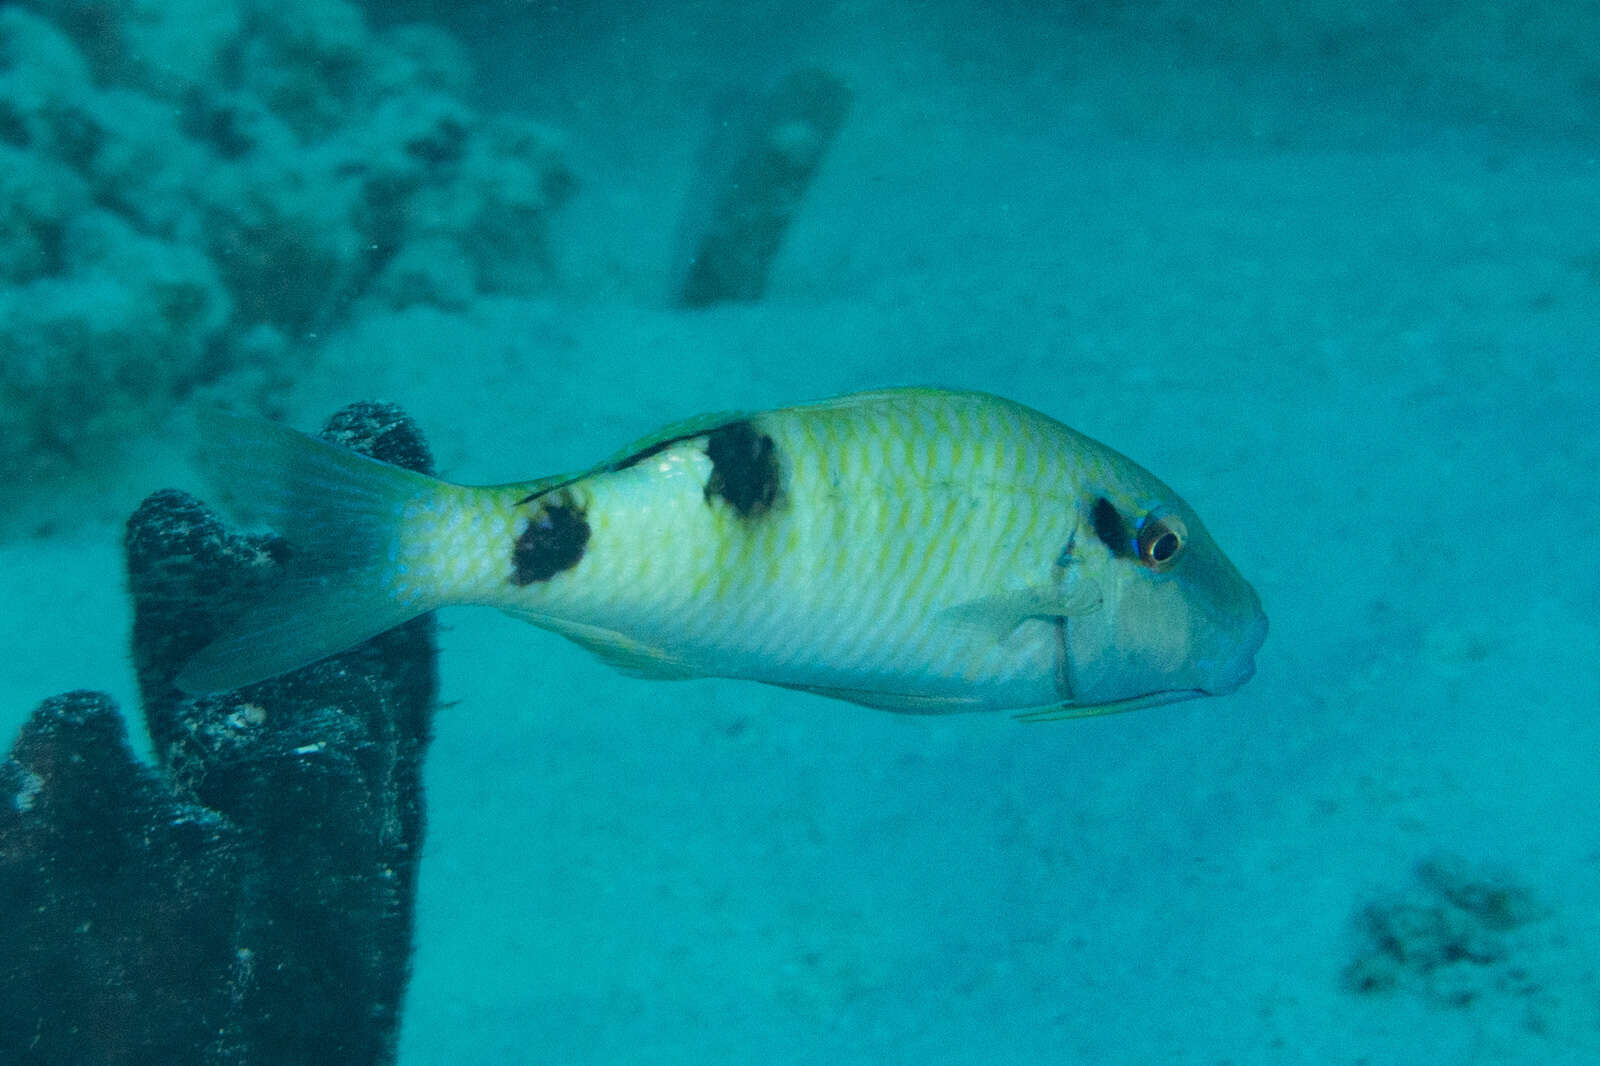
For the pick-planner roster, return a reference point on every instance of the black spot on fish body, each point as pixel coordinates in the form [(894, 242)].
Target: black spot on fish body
[(744, 468), (553, 540), (1110, 527)]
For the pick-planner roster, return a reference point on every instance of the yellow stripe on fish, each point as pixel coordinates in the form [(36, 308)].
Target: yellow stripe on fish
[(914, 549)]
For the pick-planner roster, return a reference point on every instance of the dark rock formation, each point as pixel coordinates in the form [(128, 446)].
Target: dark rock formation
[(759, 196), (249, 900)]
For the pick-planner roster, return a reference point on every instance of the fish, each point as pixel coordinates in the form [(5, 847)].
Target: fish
[(913, 549)]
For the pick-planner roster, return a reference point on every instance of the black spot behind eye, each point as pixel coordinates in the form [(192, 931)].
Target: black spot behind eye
[(1111, 529)]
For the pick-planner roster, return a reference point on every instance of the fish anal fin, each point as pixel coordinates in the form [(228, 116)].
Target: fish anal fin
[(623, 654)]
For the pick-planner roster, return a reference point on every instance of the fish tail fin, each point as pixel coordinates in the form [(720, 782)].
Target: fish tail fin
[(343, 516)]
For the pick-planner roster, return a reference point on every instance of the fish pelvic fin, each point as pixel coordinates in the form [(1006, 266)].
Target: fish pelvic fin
[(343, 517), (1061, 712), (899, 702)]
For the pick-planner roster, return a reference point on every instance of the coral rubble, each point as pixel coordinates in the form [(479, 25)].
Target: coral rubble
[(1453, 939), (187, 187), (250, 899)]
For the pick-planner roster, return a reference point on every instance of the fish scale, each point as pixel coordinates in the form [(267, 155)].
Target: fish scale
[(784, 598)]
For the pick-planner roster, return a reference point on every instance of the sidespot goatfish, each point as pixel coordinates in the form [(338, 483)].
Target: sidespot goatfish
[(915, 549)]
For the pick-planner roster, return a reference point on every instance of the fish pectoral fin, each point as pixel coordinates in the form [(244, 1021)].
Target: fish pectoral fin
[(1003, 612), (624, 654)]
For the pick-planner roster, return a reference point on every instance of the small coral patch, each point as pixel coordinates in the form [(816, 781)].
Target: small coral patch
[(1462, 937)]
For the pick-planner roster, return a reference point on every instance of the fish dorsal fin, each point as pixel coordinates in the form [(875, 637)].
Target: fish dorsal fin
[(625, 457), (624, 654), (1003, 612), (687, 429), (700, 425), (893, 394)]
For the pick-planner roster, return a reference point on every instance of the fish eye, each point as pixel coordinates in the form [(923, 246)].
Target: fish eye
[(1160, 541)]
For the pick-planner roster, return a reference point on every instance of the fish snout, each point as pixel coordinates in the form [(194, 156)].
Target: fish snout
[(1228, 673)]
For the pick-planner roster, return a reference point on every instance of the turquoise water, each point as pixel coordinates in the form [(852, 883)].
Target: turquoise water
[(1334, 276)]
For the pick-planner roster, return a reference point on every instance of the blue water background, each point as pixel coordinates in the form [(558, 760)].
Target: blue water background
[(1332, 273)]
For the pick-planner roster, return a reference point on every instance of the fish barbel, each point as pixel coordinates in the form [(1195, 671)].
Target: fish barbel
[(913, 549)]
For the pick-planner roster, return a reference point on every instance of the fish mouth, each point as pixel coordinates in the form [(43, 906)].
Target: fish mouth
[(1233, 682), (1243, 668)]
